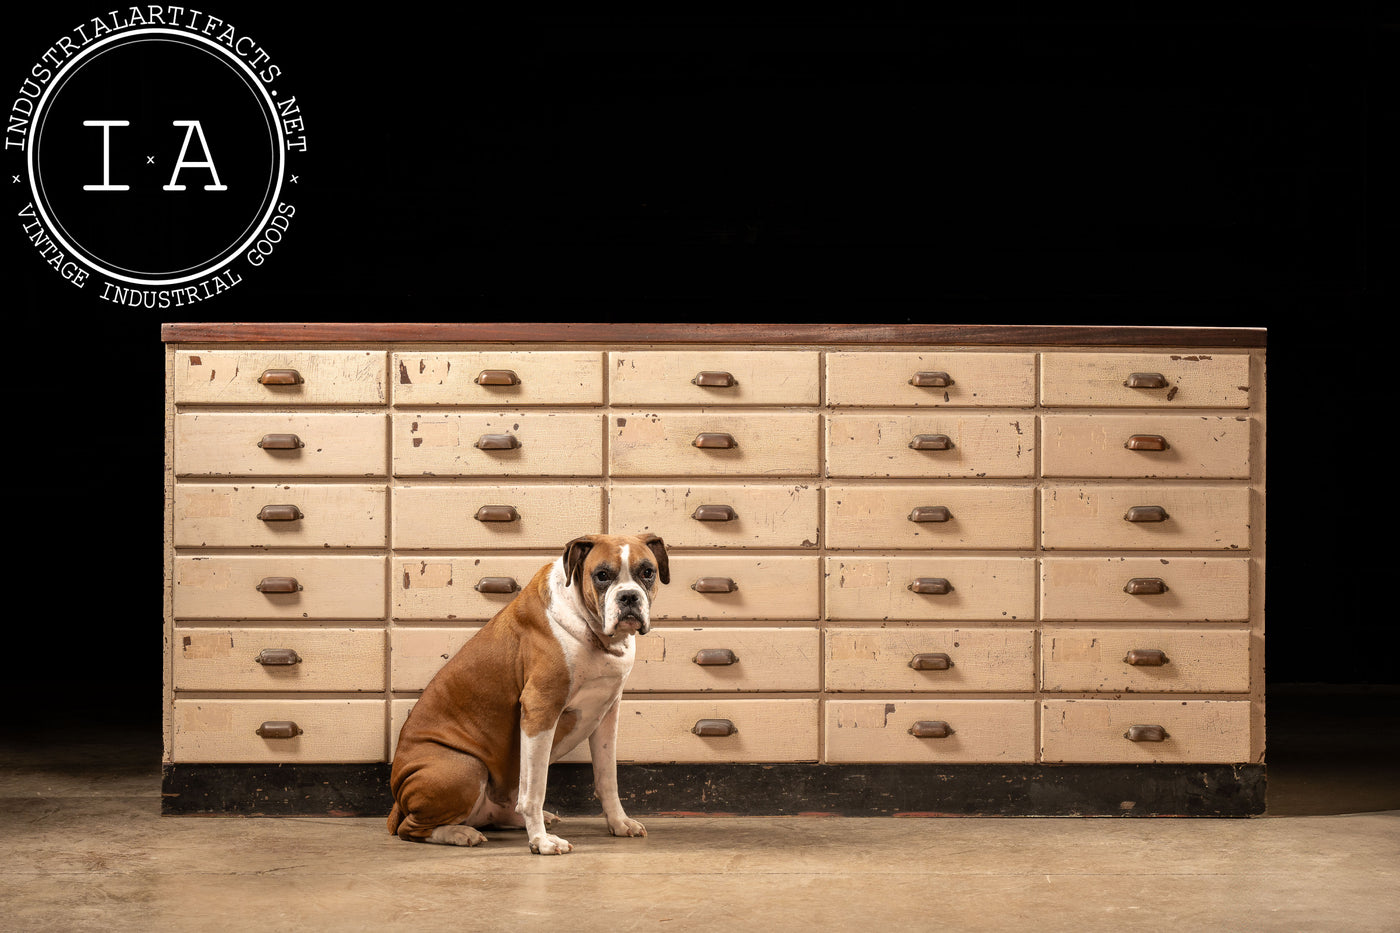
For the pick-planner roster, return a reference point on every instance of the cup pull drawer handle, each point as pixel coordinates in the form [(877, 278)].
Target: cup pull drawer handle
[(280, 442), (714, 513), (931, 586), (279, 729), (930, 513), (1147, 442), (1146, 381), (1146, 734), (715, 657), (280, 513), (497, 377), (930, 729), (1146, 657), (497, 513), (497, 442), (278, 657), (717, 380), (1145, 586), (715, 441), (281, 377), (932, 661), (709, 727), (714, 585), (931, 380), (496, 585), (1146, 514), (931, 442), (279, 585)]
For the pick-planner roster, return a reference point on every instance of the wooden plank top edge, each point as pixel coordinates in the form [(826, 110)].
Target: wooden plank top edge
[(631, 333)]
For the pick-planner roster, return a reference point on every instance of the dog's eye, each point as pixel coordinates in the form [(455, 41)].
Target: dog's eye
[(648, 573), (601, 576)]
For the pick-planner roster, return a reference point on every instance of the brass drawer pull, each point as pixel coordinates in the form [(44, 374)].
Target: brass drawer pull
[(1146, 514), (497, 377), (281, 377), (1146, 381), (279, 729), (931, 586), (1147, 442), (715, 380), (715, 657), (931, 380), (278, 657), (932, 661), (931, 442), (709, 727), (279, 585), (714, 513), (714, 585), (497, 442), (930, 513), (496, 585), (1145, 586), (280, 442), (1146, 657), (497, 513), (715, 441), (930, 729), (1146, 734), (280, 513)]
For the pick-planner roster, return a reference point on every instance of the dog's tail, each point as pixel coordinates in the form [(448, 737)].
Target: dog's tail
[(395, 818)]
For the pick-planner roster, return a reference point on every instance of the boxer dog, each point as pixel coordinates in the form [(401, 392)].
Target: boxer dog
[(544, 674)]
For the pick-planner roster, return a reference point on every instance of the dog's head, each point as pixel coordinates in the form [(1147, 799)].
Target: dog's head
[(617, 576)]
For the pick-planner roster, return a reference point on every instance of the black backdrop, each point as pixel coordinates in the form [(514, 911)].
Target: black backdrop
[(863, 162)]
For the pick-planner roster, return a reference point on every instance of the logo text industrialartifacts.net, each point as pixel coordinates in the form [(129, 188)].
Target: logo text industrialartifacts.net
[(155, 152)]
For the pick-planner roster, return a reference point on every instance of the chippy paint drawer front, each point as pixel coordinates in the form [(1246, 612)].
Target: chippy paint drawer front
[(712, 378), (721, 729), (715, 443), (930, 731), (278, 731), (277, 659), (519, 443), (277, 515), (1145, 731), (719, 515), (279, 377), (930, 588), (1144, 589), (416, 654), (273, 443), (680, 660), (497, 378), (1144, 660), (741, 588), (290, 586), (1142, 517), (495, 516), (1149, 444), (918, 379), (920, 659), (930, 515), (1145, 380), (933, 444), (466, 588)]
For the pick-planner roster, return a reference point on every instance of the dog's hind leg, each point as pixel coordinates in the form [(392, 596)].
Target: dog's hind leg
[(442, 800)]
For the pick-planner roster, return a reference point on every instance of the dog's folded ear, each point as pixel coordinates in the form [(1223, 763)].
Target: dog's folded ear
[(658, 550), (575, 552)]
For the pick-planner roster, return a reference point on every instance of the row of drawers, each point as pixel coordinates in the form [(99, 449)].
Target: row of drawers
[(711, 377), (884, 516), (929, 731), (924, 588), (776, 660), (711, 443)]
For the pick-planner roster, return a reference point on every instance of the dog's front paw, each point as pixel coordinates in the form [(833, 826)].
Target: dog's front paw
[(550, 819), (550, 845), (627, 827)]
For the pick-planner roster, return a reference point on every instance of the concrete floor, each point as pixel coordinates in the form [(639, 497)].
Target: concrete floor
[(83, 847)]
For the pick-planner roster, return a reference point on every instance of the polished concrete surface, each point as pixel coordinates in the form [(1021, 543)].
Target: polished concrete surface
[(83, 847)]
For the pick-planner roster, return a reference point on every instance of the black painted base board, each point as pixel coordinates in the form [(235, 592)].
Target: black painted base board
[(759, 790)]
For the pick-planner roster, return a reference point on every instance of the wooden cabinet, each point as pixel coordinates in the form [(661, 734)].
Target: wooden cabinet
[(891, 546)]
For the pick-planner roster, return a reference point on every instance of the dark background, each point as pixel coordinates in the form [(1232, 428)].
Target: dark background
[(1202, 166)]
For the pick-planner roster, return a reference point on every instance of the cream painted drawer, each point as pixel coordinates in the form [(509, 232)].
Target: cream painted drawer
[(1186, 661), (472, 588), (693, 515), (921, 379), (460, 444), (273, 443), (1084, 589), (949, 731), (910, 659), (674, 377), (1149, 444), (959, 445), (930, 516), (1146, 517), (727, 659), (760, 444), (495, 517), (327, 731), (978, 589), (321, 587), (1197, 731), (281, 515), (327, 659), (1189, 380), (763, 731), (498, 378), (417, 654), (704, 587), (279, 377)]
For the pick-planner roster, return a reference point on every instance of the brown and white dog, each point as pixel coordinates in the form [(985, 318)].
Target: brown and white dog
[(544, 674)]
